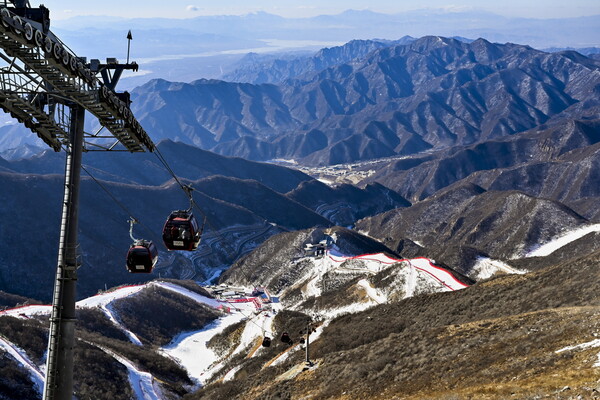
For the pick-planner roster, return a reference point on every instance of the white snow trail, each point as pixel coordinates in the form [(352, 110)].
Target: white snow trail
[(132, 336), (422, 265), (190, 350), (34, 372), (563, 240), (142, 383), (107, 297), (410, 286), (372, 292), (188, 293)]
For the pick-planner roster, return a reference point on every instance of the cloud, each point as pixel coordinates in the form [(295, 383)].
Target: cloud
[(192, 8)]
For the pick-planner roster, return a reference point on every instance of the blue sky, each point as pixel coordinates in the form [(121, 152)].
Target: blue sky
[(62, 9)]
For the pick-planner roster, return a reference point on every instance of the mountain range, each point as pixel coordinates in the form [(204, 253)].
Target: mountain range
[(432, 94), (452, 183)]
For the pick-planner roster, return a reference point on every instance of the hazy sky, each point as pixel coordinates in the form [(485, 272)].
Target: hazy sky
[(61, 9)]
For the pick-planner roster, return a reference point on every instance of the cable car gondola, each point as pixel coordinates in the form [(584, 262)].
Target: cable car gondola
[(181, 231), (142, 255), (285, 338)]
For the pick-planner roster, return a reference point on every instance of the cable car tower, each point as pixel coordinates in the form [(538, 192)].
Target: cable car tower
[(49, 89)]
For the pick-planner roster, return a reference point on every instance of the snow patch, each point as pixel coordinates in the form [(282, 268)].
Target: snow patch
[(372, 292), (231, 374), (584, 346), (27, 311), (105, 298), (189, 294), (486, 267), (563, 240), (191, 352)]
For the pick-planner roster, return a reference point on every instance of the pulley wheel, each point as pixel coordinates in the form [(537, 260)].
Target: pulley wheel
[(29, 32), (39, 38)]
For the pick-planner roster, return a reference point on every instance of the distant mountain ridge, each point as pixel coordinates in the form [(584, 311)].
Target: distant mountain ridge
[(433, 93), (279, 70)]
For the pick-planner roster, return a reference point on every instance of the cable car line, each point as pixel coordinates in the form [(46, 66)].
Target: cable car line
[(142, 255), (146, 251), (129, 213), (188, 191)]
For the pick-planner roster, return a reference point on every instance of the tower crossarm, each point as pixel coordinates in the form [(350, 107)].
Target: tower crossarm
[(69, 78)]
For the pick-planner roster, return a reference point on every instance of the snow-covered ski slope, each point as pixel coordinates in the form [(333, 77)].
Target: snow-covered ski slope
[(104, 299), (190, 349), (423, 266), (22, 358)]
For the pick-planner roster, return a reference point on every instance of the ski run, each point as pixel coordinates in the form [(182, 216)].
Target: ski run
[(190, 349)]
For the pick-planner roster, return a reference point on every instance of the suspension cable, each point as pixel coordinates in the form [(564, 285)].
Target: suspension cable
[(188, 191), (119, 203)]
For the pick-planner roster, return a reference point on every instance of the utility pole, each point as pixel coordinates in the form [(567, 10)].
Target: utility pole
[(59, 363), (308, 332)]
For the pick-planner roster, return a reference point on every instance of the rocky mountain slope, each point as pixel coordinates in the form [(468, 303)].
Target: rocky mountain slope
[(533, 335), (465, 223), (556, 163), (254, 69), (431, 94), (122, 327), (384, 327)]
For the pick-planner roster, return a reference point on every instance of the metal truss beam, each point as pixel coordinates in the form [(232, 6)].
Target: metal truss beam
[(70, 78)]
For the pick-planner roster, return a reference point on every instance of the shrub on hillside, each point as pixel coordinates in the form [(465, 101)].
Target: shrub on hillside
[(227, 339), (98, 375), (156, 315), (29, 334), (8, 300), (147, 359), (94, 320), (15, 383)]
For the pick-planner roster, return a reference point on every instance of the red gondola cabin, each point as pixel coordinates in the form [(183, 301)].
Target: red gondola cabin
[(181, 231), (142, 257)]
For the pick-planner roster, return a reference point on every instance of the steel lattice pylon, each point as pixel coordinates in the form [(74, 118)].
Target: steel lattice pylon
[(41, 72), (47, 88)]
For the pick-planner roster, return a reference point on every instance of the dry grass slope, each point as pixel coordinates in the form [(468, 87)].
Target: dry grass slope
[(495, 340)]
